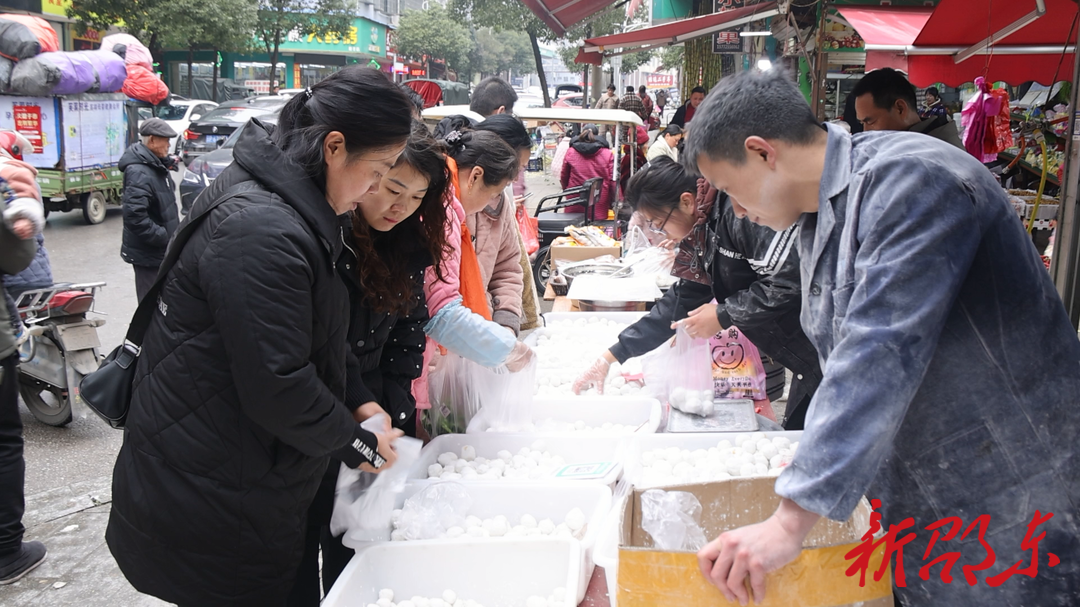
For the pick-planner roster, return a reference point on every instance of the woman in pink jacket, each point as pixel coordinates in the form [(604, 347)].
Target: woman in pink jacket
[(589, 157), (481, 165)]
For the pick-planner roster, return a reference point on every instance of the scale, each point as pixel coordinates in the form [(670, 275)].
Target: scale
[(729, 415)]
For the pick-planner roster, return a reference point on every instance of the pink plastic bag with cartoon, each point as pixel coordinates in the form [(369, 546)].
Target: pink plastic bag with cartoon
[(738, 371)]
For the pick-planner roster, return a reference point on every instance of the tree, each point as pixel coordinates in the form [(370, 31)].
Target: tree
[(671, 58), (141, 19), (278, 19), (632, 61), (219, 25), (500, 52), (433, 33)]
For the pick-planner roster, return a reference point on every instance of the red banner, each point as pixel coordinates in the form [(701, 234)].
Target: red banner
[(660, 81), (28, 124)]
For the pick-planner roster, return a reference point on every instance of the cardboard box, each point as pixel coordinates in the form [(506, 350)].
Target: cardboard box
[(579, 253), (648, 577)]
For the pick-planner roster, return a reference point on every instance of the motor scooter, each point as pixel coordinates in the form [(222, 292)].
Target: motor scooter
[(62, 346)]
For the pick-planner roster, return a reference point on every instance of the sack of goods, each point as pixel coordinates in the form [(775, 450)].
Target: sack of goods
[(24, 36), (59, 73), (144, 85), (129, 49)]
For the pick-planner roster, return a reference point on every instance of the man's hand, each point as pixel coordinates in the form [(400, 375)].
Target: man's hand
[(386, 450), (755, 550), (370, 409), (23, 228), (701, 323)]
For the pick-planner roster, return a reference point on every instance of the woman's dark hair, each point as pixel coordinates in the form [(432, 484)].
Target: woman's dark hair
[(388, 286), (457, 122), (413, 96), (933, 92), (672, 129), (587, 136), (359, 102), (659, 184), (509, 129), (485, 150)]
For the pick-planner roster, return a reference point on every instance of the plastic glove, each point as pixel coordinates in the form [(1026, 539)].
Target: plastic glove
[(594, 376), (520, 356)]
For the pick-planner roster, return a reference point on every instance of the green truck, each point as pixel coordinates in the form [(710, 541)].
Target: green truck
[(78, 141)]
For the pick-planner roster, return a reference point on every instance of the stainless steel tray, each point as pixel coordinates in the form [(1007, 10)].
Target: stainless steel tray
[(729, 415)]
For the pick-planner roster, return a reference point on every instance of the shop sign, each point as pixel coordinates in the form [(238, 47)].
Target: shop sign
[(839, 37), (55, 7), (417, 71), (88, 41), (727, 41), (362, 37), (28, 124), (659, 81)]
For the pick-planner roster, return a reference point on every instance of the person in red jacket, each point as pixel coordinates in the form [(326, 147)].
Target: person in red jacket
[(589, 157)]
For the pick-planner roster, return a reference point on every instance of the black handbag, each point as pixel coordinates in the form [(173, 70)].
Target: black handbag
[(107, 391)]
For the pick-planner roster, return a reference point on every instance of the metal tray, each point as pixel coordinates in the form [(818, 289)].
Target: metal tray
[(728, 416)]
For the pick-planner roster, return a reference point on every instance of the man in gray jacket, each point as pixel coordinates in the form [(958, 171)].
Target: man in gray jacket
[(951, 370)]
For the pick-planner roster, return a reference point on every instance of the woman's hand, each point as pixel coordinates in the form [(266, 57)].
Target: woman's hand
[(23, 228), (701, 323), (386, 450), (368, 410), (520, 356), (754, 551), (595, 375)]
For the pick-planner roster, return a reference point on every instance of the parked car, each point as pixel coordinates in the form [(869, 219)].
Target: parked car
[(180, 113), (210, 132), (573, 100), (202, 171), (527, 101)]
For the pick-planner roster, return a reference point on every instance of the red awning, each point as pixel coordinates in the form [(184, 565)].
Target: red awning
[(885, 24), (594, 49), (561, 15), (1031, 52)]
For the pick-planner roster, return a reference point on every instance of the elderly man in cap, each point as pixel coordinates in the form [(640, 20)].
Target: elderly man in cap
[(149, 201)]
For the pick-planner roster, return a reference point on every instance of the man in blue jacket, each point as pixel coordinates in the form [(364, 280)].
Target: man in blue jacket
[(951, 370)]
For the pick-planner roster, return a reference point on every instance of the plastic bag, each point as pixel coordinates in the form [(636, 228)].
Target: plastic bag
[(453, 401), (6, 65), (690, 375), (144, 85), (130, 48), (23, 36), (529, 228), (736, 365), (428, 514), (364, 501), (673, 519), (998, 130), (505, 398)]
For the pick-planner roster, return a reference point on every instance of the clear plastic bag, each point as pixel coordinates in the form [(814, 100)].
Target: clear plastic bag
[(454, 400), (688, 384), (505, 398), (363, 501), (673, 519), (428, 514)]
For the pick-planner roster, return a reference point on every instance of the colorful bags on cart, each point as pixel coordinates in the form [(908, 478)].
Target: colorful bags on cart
[(129, 48), (144, 85), (68, 73), (24, 36)]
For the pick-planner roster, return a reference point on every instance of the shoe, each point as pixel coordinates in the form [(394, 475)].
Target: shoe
[(30, 555)]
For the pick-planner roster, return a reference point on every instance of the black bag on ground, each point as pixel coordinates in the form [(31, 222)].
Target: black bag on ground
[(107, 391)]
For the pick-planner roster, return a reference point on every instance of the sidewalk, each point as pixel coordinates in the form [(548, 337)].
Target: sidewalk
[(79, 570)]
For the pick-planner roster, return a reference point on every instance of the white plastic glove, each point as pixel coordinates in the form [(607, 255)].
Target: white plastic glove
[(520, 356), (594, 376)]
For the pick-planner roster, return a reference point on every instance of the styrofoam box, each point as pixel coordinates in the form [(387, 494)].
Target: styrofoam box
[(552, 501), (495, 574), (639, 411), (487, 445), (640, 443), (606, 550), (550, 317)]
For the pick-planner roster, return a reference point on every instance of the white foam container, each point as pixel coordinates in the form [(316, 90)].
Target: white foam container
[(638, 411), (487, 445), (638, 444), (550, 317), (606, 551), (496, 574), (542, 501)]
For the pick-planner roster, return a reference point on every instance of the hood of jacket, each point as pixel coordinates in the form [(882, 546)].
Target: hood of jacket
[(138, 153), (265, 161), (588, 148), (694, 248)]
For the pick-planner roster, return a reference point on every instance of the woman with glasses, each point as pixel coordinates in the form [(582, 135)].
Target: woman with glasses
[(750, 270)]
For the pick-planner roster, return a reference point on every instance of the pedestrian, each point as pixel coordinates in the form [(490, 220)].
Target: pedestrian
[(632, 103), (685, 113), (661, 101), (589, 158), (608, 101), (648, 103), (239, 392), (750, 270), (934, 106), (885, 101), (666, 144), (21, 218), (149, 202), (389, 249), (493, 96), (951, 369)]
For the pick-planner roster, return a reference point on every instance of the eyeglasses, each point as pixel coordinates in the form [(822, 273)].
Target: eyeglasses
[(660, 229)]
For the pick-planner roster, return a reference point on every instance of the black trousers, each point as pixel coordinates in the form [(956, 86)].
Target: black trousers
[(335, 555), (12, 465), (144, 279)]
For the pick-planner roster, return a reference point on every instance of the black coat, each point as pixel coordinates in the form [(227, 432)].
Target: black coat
[(238, 398), (386, 350), (753, 273), (680, 115), (149, 201)]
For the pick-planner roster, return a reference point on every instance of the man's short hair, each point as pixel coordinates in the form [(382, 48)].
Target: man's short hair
[(751, 103), (629, 89), (933, 91), (886, 85), (611, 87), (491, 94), (699, 89), (641, 90)]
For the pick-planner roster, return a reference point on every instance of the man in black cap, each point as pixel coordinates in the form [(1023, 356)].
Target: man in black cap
[(149, 201)]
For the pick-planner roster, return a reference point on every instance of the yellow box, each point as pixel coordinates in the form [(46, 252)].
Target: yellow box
[(648, 577)]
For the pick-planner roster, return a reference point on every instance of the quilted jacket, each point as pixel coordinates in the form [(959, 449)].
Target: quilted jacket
[(238, 397), (585, 160), (149, 202)]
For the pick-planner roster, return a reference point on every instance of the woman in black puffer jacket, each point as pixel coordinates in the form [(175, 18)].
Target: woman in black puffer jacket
[(239, 394)]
